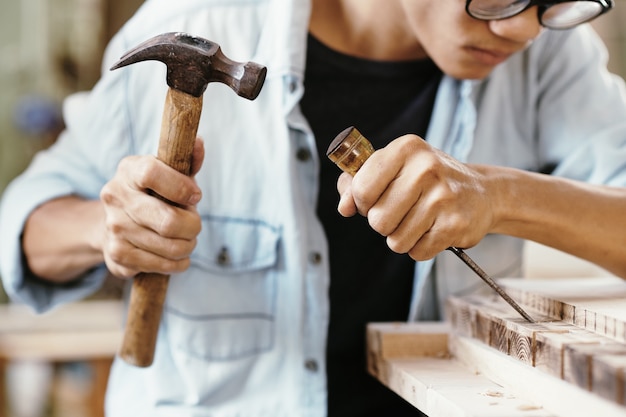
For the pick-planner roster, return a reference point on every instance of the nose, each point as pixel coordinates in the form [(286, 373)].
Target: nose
[(522, 28)]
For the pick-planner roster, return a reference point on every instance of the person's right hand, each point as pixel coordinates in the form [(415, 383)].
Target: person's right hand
[(142, 232)]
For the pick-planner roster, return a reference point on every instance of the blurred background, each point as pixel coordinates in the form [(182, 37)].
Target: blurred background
[(55, 365), (48, 49), (51, 48)]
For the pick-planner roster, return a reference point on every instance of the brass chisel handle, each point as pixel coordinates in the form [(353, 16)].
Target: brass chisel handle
[(349, 151), (179, 127)]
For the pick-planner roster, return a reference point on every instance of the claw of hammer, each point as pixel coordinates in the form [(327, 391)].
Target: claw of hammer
[(192, 63)]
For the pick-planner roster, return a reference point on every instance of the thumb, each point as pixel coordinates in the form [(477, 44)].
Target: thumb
[(347, 206), (197, 157)]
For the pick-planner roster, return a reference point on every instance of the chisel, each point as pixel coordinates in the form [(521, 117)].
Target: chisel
[(350, 149)]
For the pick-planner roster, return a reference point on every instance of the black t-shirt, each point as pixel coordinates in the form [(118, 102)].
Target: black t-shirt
[(369, 282)]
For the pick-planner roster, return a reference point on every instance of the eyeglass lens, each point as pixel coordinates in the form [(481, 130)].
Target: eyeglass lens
[(556, 15)]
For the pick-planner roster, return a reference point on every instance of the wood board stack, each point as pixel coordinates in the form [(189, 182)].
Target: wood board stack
[(571, 362), (579, 335)]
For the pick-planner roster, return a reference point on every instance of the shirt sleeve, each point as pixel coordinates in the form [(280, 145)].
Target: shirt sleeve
[(581, 110), (86, 154)]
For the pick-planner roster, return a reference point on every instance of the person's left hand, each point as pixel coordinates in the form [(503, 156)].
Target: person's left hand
[(420, 198)]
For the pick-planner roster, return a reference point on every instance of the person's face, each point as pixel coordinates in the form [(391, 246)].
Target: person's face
[(464, 47)]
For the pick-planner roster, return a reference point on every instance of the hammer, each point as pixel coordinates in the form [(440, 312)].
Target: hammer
[(192, 63)]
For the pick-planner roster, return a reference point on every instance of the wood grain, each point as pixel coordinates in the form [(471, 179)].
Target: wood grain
[(608, 373), (567, 348), (595, 304), (418, 367), (397, 341), (553, 394)]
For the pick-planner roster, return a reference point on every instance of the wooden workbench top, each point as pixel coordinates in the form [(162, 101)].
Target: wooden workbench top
[(76, 331)]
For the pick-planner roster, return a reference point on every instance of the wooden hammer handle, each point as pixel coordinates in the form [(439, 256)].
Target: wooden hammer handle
[(179, 127)]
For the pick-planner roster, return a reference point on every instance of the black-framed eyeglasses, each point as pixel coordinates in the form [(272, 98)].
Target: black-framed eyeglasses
[(553, 14)]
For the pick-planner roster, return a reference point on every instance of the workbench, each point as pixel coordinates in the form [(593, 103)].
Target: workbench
[(486, 361), (86, 331)]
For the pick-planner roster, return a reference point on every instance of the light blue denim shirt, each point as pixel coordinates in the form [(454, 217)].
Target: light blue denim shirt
[(244, 334)]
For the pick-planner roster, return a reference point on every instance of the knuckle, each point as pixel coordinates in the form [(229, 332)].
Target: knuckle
[(168, 222), (432, 170), (428, 246), (409, 145), (106, 195), (181, 249), (174, 266), (114, 228), (144, 170), (421, 253), (126, 163), (397, 245), (410, 142), (378, 221), (185, 189), (117, 268), (362, 197), (117, 253)]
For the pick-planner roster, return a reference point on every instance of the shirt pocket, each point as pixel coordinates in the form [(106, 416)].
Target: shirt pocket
[(223, 307)]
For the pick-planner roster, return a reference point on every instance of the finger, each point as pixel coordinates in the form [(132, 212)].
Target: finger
[(197, 157), (130, 248), (125, 261), (346, 206), (128, 210), (167, 248), (416, 223), (382, 168), (162, 218), (148, 173), (426, 232), (400, 197), (428, 246)]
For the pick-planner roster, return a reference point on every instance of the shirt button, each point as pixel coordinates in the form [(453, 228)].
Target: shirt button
[(293, 86), (303, 154), (315, 258), (311, 365), (223, 257)]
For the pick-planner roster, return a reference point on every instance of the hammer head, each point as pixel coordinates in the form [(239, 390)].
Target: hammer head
[(192, 63)]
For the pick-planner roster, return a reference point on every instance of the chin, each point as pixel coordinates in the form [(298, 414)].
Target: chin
[(469, 72)]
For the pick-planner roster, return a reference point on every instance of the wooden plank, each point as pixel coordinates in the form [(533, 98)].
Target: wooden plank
[(608, 376), (397, 340), (554, 394), (461, 317), (498, 325), (578, 361), (559, 349), (433, 382), (445, 388), (550, 349), (408, 340), (595, 304)]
